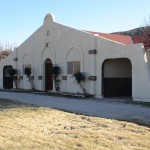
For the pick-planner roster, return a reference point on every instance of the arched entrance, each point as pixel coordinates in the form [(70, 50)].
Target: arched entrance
[(7, 79), (48, 75), (117, 77)]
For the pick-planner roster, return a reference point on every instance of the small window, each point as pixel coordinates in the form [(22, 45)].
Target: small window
[(48, 33), (26, 66), (46, 44), (73, 67)]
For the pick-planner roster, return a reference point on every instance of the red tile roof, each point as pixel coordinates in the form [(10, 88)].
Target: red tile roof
[(145, 39), (115, 37)]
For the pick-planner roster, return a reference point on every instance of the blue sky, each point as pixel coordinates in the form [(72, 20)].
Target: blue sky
[(20, 18)]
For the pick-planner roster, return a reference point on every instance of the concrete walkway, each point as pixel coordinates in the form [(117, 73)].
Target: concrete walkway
[(102, 108)]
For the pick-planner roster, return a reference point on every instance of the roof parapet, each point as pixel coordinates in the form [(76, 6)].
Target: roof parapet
[(49, 18)]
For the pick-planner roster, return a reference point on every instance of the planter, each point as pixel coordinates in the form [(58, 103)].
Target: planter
[(57, 88)]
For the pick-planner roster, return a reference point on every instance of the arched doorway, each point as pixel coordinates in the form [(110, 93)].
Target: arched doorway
[(117, 77), (48, 75), (7, 79)]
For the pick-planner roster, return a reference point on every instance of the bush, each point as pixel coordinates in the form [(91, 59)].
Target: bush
[(80, 78), (12, 72), (27, 71), (56, 70)]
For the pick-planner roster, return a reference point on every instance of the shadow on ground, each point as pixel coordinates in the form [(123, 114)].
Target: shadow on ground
[(8, 104)]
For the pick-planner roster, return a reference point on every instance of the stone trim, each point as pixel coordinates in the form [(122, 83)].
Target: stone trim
[(64, 77), (39, 77), (92, 78), (92, 51)]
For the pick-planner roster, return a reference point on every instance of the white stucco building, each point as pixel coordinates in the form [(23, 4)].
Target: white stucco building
[(113, 65)]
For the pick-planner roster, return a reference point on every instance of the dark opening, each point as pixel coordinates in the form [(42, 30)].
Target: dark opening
[(117, 78), (48, 75), (7, 79)]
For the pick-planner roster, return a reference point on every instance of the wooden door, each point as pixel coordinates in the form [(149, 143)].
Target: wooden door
[(48, 75), (7, 79)]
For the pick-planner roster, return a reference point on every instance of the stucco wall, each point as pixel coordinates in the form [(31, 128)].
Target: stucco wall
[(117, 68)]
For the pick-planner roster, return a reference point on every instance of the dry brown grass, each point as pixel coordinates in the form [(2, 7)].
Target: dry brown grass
[(25, 128)]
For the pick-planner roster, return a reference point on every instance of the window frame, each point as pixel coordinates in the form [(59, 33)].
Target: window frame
[(73, 67)]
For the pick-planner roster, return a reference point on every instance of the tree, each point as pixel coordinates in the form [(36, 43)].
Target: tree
[(28, 73), (13, 73), (146, 33), (56, 70), (146, 27), (80, 79)]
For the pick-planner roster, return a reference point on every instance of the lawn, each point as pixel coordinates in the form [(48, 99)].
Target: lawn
[(25, 127)]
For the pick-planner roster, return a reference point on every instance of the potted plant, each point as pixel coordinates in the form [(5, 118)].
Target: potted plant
[(56, 70), (13, 73), (28, 72)]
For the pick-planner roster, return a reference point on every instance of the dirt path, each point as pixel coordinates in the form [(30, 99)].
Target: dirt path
[(102, 108)]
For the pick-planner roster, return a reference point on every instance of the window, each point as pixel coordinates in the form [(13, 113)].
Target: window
[(48, 33), (73, 67), (46, 44), (26, 66)]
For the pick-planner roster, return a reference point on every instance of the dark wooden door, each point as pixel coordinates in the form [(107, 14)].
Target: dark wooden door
[(7, 79), (115, 87), (48, 76)]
